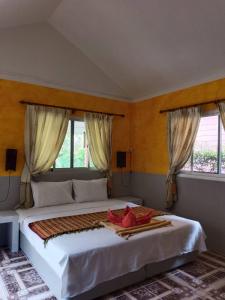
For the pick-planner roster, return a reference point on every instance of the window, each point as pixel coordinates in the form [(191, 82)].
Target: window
[(74, 152), (208, 154)]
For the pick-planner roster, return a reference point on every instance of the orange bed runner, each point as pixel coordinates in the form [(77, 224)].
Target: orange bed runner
[(50, 228)]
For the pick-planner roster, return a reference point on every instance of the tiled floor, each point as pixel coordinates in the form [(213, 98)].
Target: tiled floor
[(19, 280), (203, 279)]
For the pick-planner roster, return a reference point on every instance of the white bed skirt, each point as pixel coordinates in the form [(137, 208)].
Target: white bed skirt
[(54, 282)]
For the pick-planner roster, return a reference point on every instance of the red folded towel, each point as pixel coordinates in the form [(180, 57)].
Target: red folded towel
[(128, 219)]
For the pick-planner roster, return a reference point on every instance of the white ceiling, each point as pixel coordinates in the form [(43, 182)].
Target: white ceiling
[(20, 12), (145, 47), (37, 53)]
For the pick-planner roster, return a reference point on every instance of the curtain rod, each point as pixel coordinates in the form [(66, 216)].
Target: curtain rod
[(72, 108), (191, 105)]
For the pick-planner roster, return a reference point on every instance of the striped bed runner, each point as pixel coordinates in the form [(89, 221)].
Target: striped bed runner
[(50, 228)]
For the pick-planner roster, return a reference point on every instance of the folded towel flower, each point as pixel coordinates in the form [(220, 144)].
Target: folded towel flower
[(128, 218)]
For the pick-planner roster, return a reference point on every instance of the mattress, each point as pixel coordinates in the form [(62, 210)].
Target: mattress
[(84, 260)]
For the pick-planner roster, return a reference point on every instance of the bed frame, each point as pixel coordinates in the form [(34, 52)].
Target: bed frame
[(54, 283)]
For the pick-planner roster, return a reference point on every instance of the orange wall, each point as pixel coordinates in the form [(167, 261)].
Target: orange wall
[(149, 127), (12, 115), (144, 129)]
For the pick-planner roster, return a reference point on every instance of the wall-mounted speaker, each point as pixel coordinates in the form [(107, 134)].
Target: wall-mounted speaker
[(121, 159), (10, 160)]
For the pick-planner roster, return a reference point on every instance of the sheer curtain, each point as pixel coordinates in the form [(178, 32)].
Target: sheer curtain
[(99, 137), (45, 130), (221, 106), (182, 130)]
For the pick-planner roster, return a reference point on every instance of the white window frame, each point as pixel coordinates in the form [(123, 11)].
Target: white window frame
[(207, 175)]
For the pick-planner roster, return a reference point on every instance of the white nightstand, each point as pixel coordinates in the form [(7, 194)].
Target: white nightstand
[(132, 199), (10, 218)]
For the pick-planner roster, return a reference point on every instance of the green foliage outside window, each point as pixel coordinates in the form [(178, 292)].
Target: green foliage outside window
[(206, 161), (81, 156)]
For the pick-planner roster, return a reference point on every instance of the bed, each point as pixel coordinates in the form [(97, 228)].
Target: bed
[(88, 264)]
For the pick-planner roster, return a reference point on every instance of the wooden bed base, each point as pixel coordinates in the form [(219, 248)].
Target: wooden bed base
[(54, 283)]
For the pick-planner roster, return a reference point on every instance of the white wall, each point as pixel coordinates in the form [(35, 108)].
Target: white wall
[(39, 54)]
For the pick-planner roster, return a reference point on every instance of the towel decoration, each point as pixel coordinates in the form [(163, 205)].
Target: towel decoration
[(128, 218)]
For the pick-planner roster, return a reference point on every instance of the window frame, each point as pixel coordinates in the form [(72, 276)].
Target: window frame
[(208, 175), (72, 122)]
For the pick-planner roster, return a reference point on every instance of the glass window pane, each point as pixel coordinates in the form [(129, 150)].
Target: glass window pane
[(80, 151), (91, 165), (205, 156), (222, 149), (82, 157), (187, 166), (63, 159)]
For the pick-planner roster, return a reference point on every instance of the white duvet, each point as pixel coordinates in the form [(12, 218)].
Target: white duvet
[(83, 260)]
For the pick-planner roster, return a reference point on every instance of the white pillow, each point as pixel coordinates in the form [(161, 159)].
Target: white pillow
[(52, 193), (90, 190)]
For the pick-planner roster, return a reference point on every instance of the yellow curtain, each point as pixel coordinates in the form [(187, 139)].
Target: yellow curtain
[(182, 129), (99, 137), (45, 130)]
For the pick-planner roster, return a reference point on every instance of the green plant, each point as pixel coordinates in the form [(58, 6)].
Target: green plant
[(206, 161), (79, 158)]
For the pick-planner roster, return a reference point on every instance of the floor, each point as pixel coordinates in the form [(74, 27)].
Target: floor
[(203, 279), (19, 280)]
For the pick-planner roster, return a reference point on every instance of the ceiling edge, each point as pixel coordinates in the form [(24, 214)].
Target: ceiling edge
[(89, 58), (38, 81), (179, 88)]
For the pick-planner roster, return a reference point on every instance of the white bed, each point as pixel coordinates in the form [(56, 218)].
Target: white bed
[(82, 261)]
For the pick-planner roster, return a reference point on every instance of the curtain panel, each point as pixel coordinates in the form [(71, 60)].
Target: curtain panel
[(45, 130), (221, 106), (182, 130), (99, 137)]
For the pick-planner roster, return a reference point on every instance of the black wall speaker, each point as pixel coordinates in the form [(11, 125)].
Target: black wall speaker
[(10, 160), (121, 159)]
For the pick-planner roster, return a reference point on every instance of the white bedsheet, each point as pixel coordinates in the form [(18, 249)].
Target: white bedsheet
[(83, 260)]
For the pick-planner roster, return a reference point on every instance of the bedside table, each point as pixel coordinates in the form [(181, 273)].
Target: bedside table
[(132, 199), (10, 218)]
